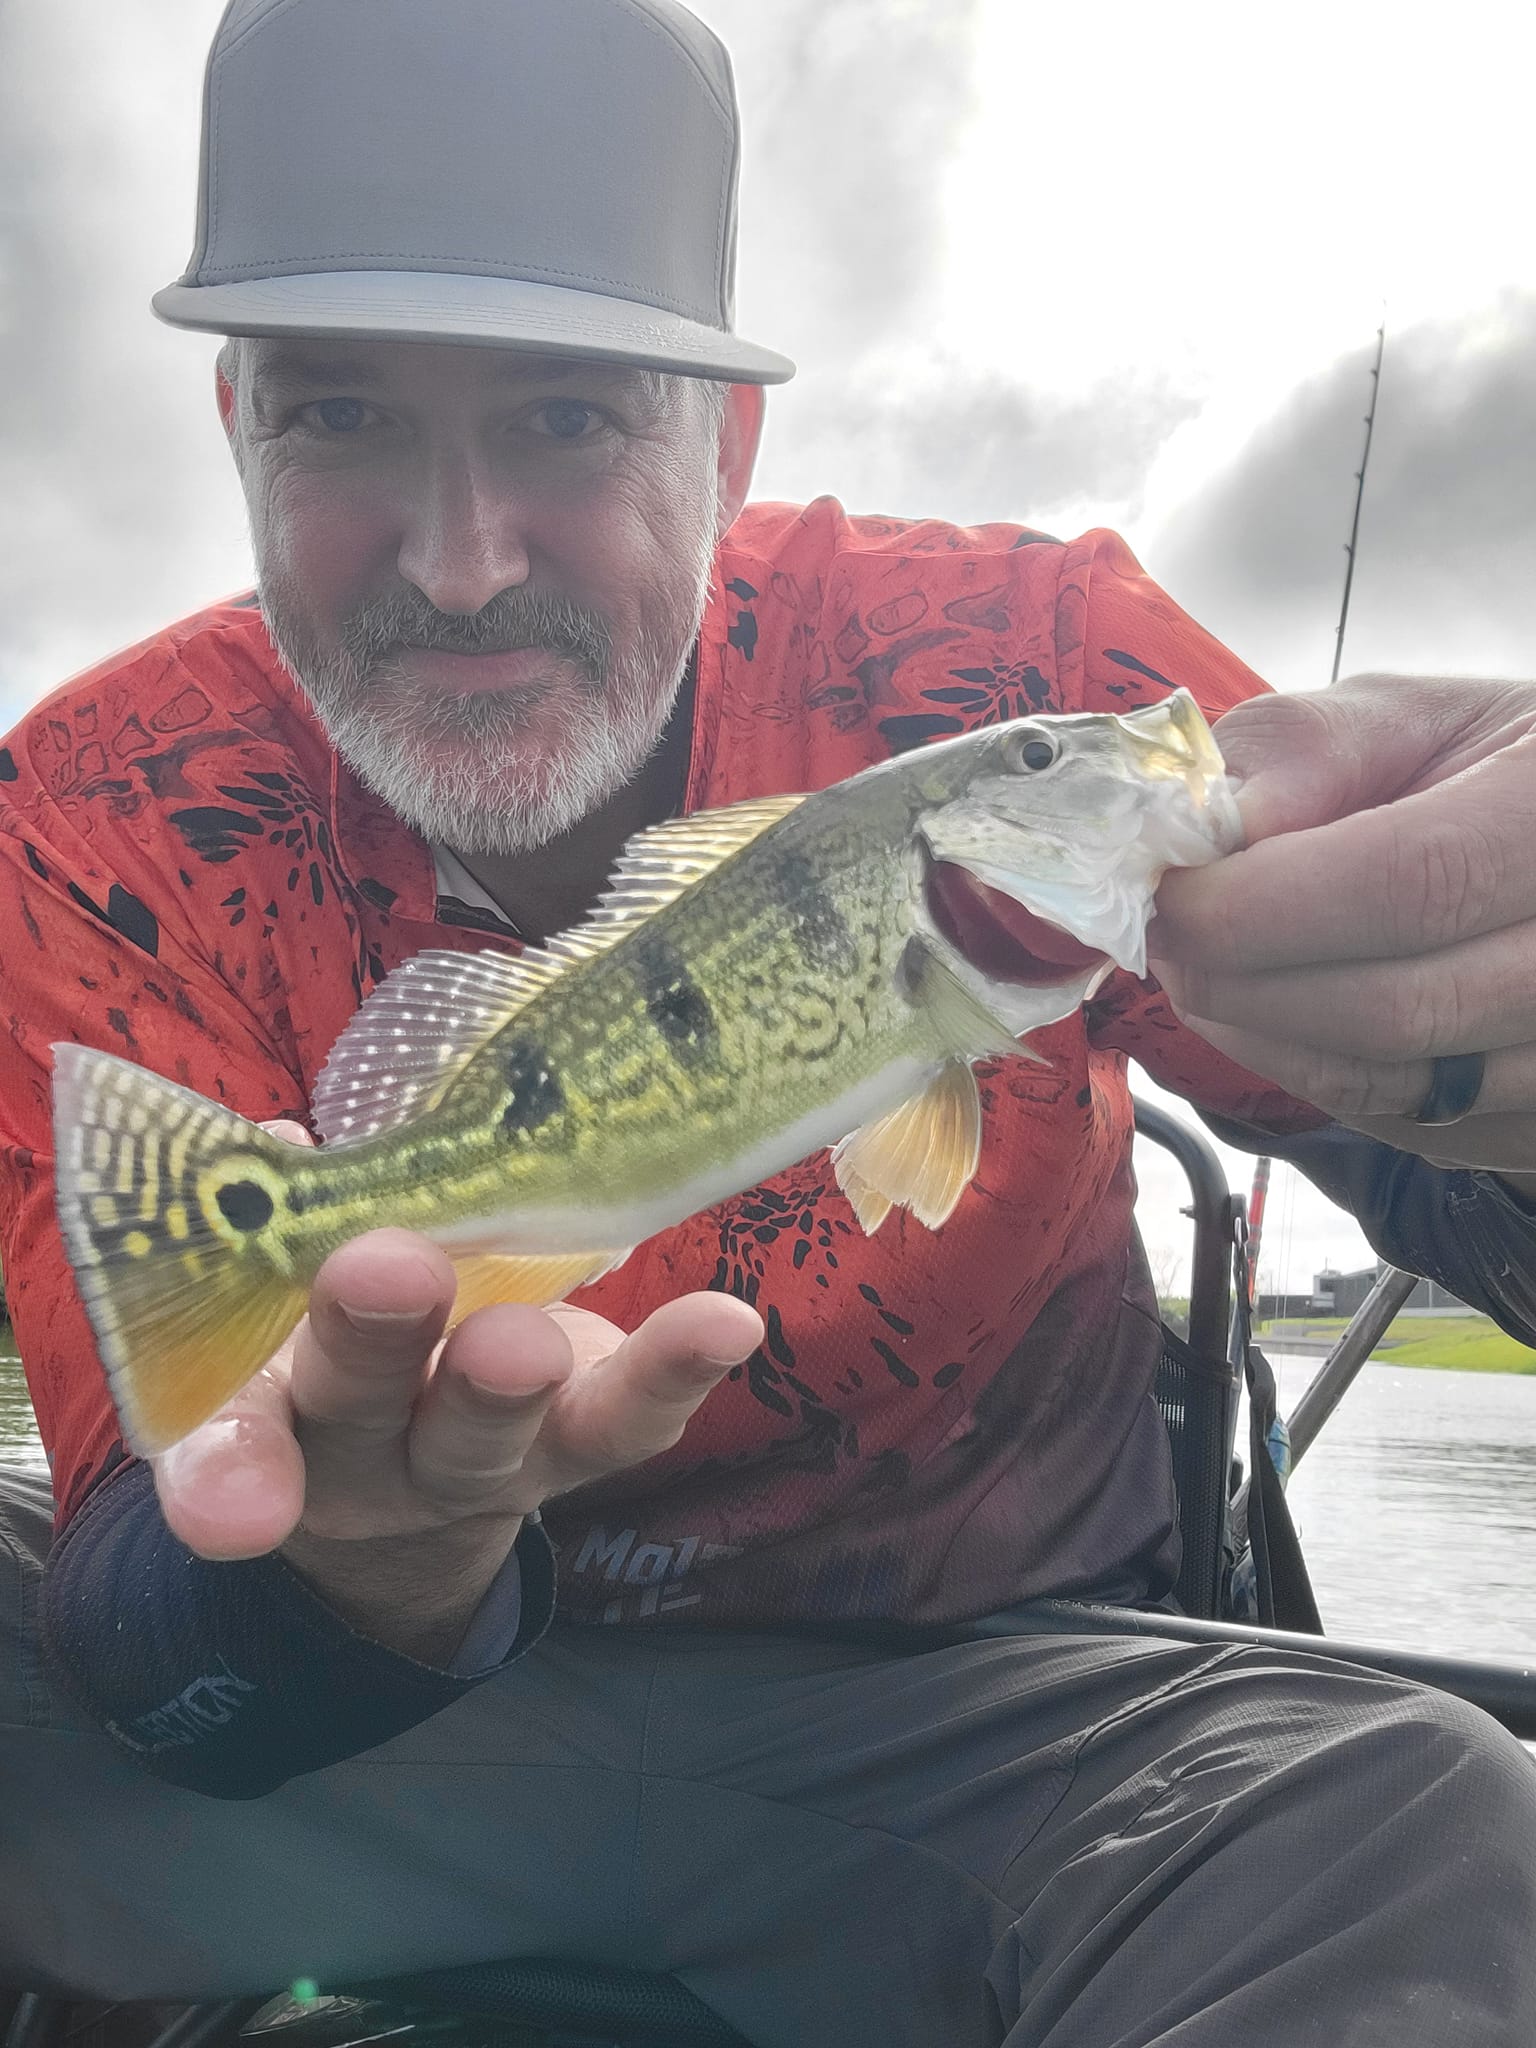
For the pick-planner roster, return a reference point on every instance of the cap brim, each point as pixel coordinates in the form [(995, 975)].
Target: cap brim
[(490, 312)]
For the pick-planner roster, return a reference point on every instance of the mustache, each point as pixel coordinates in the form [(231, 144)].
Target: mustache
[(511, 620)]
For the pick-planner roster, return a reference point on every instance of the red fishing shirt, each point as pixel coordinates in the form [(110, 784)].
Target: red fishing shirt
[(937, 1424)]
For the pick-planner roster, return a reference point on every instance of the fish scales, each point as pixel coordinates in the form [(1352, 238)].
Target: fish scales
[(773, 985)]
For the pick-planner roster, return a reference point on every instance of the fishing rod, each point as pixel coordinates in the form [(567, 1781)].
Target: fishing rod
[(1354, 527), (1261, 1169)]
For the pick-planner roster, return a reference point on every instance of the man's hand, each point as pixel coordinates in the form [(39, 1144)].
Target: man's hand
[(1383, 913), (394, 1470)]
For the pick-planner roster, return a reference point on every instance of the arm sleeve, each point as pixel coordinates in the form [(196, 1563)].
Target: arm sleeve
[(229, 1679), (1453, 1225), (1130, 644)]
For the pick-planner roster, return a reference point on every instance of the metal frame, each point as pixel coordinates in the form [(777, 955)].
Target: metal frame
[(1213, 1210)]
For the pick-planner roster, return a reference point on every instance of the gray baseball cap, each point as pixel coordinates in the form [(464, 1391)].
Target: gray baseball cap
[(550, 175)]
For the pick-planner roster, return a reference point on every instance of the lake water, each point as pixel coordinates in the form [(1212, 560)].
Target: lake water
[(1416, 1505), (1416, 1508)]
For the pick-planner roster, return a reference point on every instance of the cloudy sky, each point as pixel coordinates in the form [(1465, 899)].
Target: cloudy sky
[(1074, 266)]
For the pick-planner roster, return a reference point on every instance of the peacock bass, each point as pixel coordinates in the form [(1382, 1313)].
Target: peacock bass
[(757, 982)]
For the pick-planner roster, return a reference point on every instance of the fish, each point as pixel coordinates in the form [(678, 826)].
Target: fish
[(757, 982)]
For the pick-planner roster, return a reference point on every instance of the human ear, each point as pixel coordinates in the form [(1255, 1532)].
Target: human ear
[(741, 430), (229, 419)]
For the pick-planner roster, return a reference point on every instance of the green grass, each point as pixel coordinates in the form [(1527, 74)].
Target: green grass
[(1449, 1343)]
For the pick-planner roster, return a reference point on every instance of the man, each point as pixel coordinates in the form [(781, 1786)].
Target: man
[(496, 437)]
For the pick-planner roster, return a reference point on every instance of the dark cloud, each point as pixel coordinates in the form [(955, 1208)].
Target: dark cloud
[(1448, 530), (119, 509)]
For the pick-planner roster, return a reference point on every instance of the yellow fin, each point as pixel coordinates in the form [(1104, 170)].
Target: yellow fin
[(921, 1156), (164, 1200), (539, 1281), (870, 1208)]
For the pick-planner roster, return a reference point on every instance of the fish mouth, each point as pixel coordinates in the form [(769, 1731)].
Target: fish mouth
[(1000, 938)]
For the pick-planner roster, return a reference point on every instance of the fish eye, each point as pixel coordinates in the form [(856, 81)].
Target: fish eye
[(1034, 751)]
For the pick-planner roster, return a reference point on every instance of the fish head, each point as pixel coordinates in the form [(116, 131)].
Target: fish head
[(1044, 839)]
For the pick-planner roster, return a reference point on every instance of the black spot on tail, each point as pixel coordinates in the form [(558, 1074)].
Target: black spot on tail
[(245, 1205), (534, 1093), (677, 1006)]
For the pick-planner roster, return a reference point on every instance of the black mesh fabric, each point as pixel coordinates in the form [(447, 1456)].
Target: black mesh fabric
[(1197, 1397)]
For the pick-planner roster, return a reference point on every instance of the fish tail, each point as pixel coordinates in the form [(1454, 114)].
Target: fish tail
[(172, 1210)]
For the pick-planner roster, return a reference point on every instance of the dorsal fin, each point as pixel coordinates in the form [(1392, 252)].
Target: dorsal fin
[(415, 1031), (432, 1015), (657, 865)]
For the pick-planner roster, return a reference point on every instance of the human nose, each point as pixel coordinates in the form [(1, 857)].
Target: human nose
[(464, 539)]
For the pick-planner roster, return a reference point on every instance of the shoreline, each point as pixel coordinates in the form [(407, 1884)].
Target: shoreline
[(1469, 1343)]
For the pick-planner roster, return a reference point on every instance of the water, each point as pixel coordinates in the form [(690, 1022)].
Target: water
[(1416, 1508), (1416, 1505), (19, 1443)]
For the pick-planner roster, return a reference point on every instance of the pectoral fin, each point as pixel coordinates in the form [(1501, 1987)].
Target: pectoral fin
[(538, 1281), (970, 1024), (921, 1156)]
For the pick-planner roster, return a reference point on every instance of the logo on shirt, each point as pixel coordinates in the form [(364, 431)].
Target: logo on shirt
[(653, 1568)]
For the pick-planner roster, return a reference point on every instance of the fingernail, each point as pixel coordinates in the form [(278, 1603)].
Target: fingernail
[(385, 1322), (522, 1397)]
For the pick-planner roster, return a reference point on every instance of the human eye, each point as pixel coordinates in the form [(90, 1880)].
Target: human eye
[(568, 419), (333, 418)]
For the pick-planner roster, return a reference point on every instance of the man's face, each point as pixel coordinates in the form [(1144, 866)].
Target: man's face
[(486, 569)]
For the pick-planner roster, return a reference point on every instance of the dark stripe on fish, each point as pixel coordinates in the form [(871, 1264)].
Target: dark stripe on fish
[(534, 1093), (675, 1003), (819, 924)]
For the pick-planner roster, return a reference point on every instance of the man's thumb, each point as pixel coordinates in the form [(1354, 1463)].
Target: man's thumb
[(1292, 765), (1311, 758)]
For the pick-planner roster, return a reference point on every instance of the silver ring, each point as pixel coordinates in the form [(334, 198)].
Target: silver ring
[(1454, 1089)]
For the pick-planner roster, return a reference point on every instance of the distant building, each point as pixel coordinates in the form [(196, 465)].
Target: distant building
[(1341, 1294), (1288, 1307), (1344, 1292)]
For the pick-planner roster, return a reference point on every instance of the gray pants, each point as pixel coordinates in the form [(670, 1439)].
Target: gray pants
[(1051, 1842)]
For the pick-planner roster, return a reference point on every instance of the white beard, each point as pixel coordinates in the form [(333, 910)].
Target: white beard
[(484, 796)]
